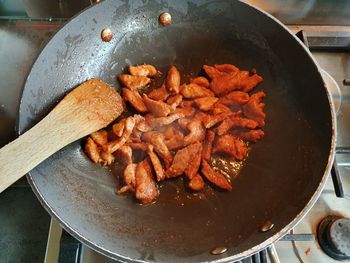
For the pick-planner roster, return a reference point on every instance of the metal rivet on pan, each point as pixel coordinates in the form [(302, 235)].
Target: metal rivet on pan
[(218, 250), (165, 19), (106, 35), (268, 225)]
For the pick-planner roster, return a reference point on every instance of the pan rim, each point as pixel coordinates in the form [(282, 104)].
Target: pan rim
[(246, 253)]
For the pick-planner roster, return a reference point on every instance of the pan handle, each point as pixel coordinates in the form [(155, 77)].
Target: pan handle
[(271, 250)]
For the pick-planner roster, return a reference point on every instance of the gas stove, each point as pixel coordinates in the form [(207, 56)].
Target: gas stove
[(324, 233)]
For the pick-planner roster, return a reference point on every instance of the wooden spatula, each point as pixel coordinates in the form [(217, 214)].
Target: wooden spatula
[(88, 108)]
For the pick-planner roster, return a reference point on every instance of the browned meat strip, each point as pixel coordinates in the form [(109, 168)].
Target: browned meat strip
[(205, 103), (196, 183), (115, 145), (182, 159), (208, 145), (145, 187), (159, 94), (100, 137), (143, 70), (157, 140), (192, 91), (138, 145), (197, 132), (227, 68), (157, 166), (125, 153), (133, 82), (241, 81), (250, 136), (158, 108), (254, 109), (230, 145), (186, 111), (193, 167), (129, 178), (118, 128), (162, 121), (186, 103), (175, 100), (234, 122), (134, 98), (91, 149), (214, 177), (213, 72), (220, 108), (106, 158), (173, 80), (235, 98), (211, 120), (201, 81), (174, 139)]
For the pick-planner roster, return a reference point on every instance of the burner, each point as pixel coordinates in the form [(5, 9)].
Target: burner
[(333, 89), (333, 235)]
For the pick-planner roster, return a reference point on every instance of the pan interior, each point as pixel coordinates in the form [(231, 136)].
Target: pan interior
[(275, 183)]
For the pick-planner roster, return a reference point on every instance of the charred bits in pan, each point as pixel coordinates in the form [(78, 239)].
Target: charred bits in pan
[(106, 34)]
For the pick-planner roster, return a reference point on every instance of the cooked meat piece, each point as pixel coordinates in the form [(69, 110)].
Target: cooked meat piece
[(143, 126), (193, 167), (157, 140), (227, 68), (197, 132), (129, 178), (91, 149), (100, 137), (183, 122), (172, 81), (118, 128), (187, 111), (145, 187), (186, 103), (158, 108), (196, 183), (211, 120), (162, 121), (138, 145), (125, 154), (115, 145), (235, 98), (205, 103), (174, 139), (254, 109), (159, 93), (157, 166), (175, 100), (214, 177), (143, 70), (228, 144), (133, 82), (134, 98), (182, 159), (220, 108), (201, 81), (250, 136), (213, 72), (138, 118), (106, 158), (241, 81), (233, 122), (192, 90), (208, 145)]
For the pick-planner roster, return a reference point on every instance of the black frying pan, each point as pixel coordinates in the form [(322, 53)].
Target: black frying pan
[(280, 180)]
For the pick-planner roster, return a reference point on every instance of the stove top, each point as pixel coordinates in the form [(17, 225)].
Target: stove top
[(21, 39)]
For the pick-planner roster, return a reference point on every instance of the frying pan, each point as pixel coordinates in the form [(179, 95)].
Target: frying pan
[(279, 182)]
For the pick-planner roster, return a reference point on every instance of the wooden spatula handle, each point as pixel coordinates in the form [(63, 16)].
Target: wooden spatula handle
[(26, 152)]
